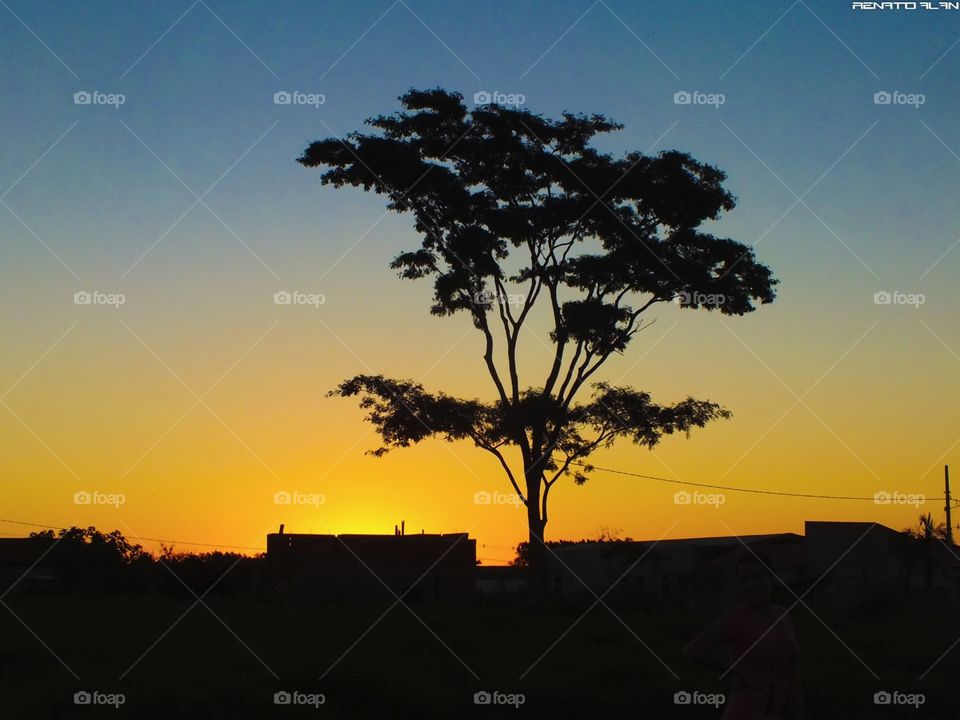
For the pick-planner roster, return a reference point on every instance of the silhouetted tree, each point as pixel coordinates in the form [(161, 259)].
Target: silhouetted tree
[(921, 546), (95, 559), (222, 573), (598, 239)]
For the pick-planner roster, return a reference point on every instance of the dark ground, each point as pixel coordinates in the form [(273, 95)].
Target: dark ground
[(202, 668)]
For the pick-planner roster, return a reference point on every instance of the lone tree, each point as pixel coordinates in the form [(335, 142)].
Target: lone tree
[(599, 239)]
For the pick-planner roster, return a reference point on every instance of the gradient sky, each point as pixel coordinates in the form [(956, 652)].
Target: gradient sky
[(97, 398)]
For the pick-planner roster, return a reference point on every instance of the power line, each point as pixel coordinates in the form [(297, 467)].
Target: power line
[(180, 542), (739, 489), (656, 478), (134, 537)]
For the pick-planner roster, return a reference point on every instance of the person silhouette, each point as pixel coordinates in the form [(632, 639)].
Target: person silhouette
[(763, 650)]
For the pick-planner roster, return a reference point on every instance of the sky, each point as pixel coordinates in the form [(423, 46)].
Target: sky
[(182, 411)]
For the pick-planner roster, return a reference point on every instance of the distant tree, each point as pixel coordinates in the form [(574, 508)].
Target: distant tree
[(608, 535), (223, 573), (504, 198), (108, 545), (927, 530), (921, 547), (520, 559), (95, 559), (522, 556)]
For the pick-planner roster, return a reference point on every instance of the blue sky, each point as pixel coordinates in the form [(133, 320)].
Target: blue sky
[(199, 93)]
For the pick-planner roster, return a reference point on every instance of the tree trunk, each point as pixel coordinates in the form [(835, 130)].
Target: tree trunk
[(537, 589), (537, 580)]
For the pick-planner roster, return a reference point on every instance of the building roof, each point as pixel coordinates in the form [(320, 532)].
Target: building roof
[(721, 541)]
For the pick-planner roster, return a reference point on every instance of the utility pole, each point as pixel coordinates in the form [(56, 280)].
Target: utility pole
[(946, 487)]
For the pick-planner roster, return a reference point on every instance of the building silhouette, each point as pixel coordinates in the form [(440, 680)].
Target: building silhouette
[(420, 568)]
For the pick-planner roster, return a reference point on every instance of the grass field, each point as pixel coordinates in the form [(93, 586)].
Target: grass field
[(205, 668)]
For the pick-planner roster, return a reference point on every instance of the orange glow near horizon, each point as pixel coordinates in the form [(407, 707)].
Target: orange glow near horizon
[(100, 412)]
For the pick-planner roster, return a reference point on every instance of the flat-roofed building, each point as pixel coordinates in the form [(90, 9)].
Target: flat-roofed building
[(420, 568)]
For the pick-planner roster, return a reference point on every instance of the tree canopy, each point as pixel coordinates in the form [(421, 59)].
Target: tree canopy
[(503, 198)]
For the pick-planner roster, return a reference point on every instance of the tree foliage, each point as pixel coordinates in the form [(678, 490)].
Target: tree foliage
[(503, 198)]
